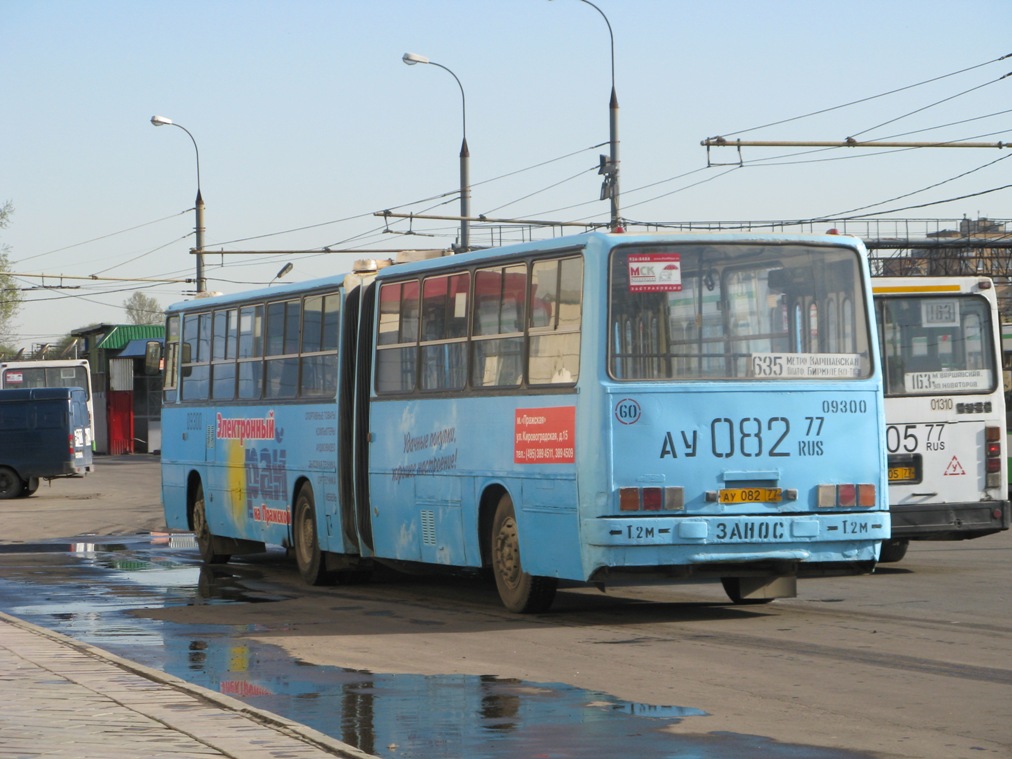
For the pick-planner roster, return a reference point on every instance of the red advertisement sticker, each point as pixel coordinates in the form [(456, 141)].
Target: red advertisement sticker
[(545, 435)]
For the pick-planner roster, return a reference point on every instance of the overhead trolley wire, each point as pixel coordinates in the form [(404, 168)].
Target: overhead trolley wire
[(866, 99)]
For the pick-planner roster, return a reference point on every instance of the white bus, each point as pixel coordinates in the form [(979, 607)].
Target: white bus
[(71, 372), (945, 409)]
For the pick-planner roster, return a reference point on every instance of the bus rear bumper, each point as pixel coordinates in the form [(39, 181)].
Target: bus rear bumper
[(803, 544), (949, 521), (707, 534)]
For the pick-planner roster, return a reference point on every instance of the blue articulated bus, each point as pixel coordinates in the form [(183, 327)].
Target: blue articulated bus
[(602, 408)]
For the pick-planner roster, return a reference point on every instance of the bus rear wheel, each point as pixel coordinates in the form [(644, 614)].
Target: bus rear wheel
[(519, 591), (893, 550), (202, 531), (309, 557), (732, 586), (10, 484)]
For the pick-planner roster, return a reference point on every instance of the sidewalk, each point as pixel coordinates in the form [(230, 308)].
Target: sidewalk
[(63, 698)]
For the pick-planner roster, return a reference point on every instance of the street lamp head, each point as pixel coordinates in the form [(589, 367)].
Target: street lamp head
[(160, 121), (412, 58), (284, 270)]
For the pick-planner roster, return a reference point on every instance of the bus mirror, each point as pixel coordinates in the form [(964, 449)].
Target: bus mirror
[(152, 358)]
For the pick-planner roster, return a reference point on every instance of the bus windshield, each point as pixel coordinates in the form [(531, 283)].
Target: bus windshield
[(737, 311), (40, 375), (933, 345)]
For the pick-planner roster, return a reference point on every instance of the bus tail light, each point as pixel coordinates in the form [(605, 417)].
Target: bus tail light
[(993, 459), (863, 495), (651, 499), (70, 444)]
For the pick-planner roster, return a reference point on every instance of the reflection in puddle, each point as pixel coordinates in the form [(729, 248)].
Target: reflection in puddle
[(388, 715)]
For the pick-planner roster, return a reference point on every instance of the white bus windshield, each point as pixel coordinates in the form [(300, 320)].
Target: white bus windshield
[(933, 344), (41, 375), (737, 311)]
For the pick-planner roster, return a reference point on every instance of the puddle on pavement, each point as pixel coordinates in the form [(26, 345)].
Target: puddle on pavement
[(388, 715)]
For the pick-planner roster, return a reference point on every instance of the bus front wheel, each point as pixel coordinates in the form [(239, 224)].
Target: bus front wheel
[(519, 591), (309, 557), (202, 531), (10, 484)]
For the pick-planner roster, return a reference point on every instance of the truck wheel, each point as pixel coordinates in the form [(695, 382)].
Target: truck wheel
[(10, 484)]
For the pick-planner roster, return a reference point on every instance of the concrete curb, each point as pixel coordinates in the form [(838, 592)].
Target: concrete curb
[(276, 722)]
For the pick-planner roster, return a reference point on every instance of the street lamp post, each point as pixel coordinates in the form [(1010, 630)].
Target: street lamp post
[(610, 167), (465, 156), (199, 206)]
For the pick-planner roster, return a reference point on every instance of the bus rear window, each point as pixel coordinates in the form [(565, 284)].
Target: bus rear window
[(737, 311)]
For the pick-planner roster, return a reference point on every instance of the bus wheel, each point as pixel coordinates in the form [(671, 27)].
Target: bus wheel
[(10, 484), (518, 590), (308, 555), (732, 586), (893, 550), (202, 531), (31, 486)]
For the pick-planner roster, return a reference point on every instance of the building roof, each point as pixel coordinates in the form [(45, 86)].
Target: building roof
[(120, 335)]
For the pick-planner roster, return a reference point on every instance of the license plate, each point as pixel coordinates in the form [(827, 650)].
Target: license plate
[(751, 495), (902, 474)]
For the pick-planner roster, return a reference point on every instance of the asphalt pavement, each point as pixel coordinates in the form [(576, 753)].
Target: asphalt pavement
[(64, 698)]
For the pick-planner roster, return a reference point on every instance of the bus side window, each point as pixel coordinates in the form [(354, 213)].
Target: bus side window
[(321, 319), (223, 355), (282, 363), (397, 340), (556, 305), (196, 356), (251, 351), (444, 325), (497, 329)]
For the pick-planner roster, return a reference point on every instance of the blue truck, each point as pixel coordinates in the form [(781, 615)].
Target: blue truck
[(44, 433)]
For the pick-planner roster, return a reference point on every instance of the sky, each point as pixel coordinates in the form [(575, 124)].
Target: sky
[(307, 122)]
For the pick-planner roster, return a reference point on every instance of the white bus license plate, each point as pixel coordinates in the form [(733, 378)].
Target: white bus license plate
[(751, 495)]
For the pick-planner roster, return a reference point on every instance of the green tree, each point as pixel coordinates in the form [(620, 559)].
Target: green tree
[(143, 309), (10, 293)]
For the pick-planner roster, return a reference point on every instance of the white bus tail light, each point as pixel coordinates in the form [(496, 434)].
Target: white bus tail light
[(993, 459), (847, 496), (651, 499)]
